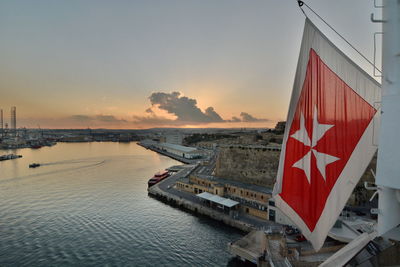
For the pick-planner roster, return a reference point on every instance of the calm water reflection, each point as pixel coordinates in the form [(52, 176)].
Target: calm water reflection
[(88, 205)]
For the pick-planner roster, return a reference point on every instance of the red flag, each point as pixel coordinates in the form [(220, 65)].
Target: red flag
[(328, 139)]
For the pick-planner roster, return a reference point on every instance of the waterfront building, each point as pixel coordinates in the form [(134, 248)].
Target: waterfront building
[(174, 138), (275, 215), (181, 151), (225, 205), (253, 199)]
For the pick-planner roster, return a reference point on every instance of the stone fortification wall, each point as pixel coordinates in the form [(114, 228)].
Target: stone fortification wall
[(255, 165)]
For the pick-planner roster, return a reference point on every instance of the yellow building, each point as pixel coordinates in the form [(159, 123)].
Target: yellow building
[(253, 199)]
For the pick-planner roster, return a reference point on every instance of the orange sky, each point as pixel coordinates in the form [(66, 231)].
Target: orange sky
[(69, 64)]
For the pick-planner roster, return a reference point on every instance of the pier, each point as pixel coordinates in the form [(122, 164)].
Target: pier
[(165, 153), (165, 191), (10, 156)]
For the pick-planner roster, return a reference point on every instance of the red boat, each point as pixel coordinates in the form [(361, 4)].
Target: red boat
[(158, 177)]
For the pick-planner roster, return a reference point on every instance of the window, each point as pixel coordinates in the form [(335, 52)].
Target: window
[(272, 212), (271, 215)]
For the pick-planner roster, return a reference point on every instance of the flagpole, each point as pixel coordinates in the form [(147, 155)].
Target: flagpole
[(388, 167)]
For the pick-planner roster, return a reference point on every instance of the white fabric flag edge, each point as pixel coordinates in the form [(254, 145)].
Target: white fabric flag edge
[(364, 149)]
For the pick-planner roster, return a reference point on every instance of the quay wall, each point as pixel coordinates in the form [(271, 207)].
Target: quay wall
[(186, 205)]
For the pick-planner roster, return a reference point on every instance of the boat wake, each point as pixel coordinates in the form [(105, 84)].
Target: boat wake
[(89, 164), (75, 161)]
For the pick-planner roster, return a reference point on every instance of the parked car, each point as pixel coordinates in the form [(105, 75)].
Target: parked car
[(290, 230), (300, 238)]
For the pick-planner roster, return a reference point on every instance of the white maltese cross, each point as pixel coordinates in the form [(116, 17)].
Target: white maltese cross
[(301, 135)]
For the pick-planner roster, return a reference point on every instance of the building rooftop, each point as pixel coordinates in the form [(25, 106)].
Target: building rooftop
[(269, 146), (178, 147), (217, 199)]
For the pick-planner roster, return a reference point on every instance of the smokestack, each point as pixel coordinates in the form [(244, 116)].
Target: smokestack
[(1, 122), (14, 120)]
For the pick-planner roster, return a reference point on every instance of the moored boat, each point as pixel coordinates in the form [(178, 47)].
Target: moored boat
[(158, 177), (9, 156)]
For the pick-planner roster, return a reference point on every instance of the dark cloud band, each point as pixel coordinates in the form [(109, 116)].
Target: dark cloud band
[(185, 110)]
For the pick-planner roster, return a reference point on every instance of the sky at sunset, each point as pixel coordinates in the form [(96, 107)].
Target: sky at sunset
[(161, 63)]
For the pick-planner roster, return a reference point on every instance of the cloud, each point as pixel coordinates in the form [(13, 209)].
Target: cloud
[(235, 119), (108, 118), (246, 117), (210, 112), (184, 108), (81, 118), (154, 120), (98, 118), (167, 109)]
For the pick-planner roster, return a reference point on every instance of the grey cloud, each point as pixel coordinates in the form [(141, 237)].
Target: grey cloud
[(155, 120), (211, 113), (184, 108), (81, 118), (108, 118), (246, 117), (235, 119), (101, 118)]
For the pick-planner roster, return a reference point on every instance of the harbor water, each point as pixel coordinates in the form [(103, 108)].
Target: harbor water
[(87, 205)]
